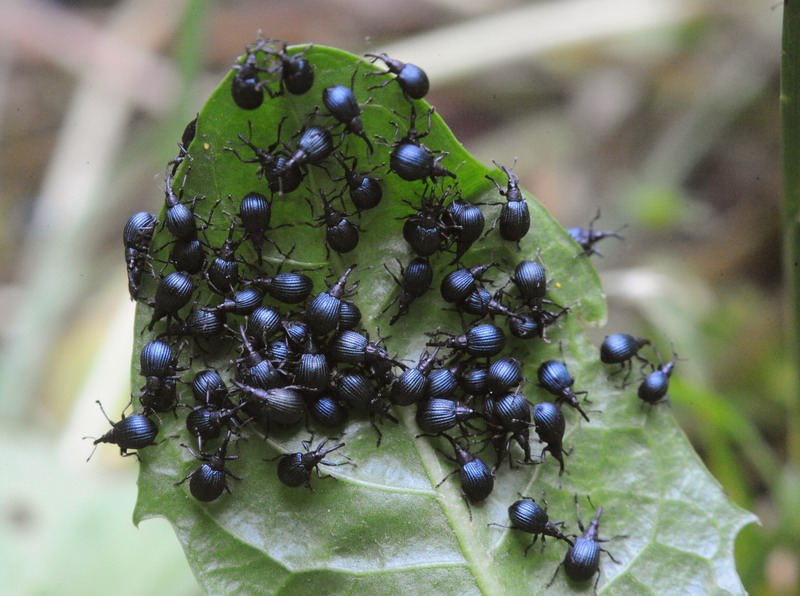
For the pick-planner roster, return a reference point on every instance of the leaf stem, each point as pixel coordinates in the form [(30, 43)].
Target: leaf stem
[(790, 114)]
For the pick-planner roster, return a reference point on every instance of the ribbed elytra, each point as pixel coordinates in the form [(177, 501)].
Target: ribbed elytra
[(530, 278), (242, 302), (223, 271), (341, 103), (296, 334), (481, 341), (180, 222), (297, 73), (438, 415), (313, 372), (459, 284), (354, 389), (208, 387), (313, 146), (343, 106), (138, 230), (476, 302), (477, 480), (255, 213), (322, 314), (528, 516), (620, 347), (582, 560), (279, 351), (264, 322), (209, 481), (136, 431), (156, 359), (441, 382), (349, 347), (294, 469), (554, 376), (349, 315), (327, 412), (136, 237), (172, 293), (515, 219), (422, 234), (246, 90), (525, 326), (484, 341), (514, 412), (469, 222), (202, 422), (366, 193), (413, 162), (188, 256), (550, 426), (281, 405), (341, 235), (410, 387), (411, 79), (288, 288), (504, 374), (205, 323), (475, 381), (417, 277), (655, 386), (206, 422), (207, 484), (261, 375)]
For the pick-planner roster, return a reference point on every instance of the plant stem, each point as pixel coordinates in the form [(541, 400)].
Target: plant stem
[(790, 114)]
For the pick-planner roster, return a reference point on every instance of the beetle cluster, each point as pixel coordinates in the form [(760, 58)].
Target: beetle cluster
[(301, 353)]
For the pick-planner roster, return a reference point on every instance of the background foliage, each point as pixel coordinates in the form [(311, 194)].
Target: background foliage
[(662, 113)]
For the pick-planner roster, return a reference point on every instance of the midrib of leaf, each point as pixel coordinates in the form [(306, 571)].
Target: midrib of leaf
[(450, 501)]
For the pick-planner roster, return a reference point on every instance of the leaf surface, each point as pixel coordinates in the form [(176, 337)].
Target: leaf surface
[(382, 527)]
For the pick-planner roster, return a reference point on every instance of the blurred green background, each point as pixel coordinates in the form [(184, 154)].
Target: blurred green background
[(661, 113)]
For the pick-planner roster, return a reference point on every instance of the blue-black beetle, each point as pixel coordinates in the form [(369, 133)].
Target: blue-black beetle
[(294, 469), (208, 482), (136, 237), (515, 219), (411, 79), (528, 516), (554, 376), (477, 480), (133, 432), (582, 560), (588, 237)]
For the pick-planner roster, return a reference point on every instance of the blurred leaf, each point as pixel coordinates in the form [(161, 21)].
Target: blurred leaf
[(657, 208), (382, 527), (72, 520)]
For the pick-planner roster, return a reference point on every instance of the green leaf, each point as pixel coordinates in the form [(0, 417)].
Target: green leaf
[(383, 527)]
